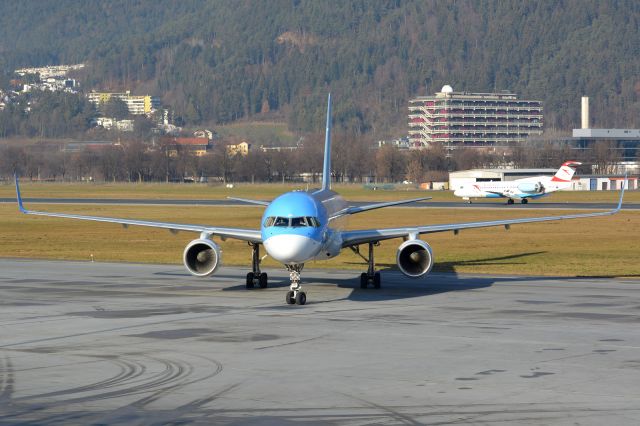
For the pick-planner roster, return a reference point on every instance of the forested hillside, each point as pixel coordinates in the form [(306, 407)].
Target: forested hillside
[(220, 61)]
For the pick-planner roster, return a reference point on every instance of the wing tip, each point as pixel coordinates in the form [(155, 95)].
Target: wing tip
[(624, 186)]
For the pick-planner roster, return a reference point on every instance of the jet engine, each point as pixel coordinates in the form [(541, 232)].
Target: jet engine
[(531, 187), (414, 258), (201, 257)]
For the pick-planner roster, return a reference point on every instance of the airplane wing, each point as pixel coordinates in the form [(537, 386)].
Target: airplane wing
[(360, 209), (351, 238), (252, 235)]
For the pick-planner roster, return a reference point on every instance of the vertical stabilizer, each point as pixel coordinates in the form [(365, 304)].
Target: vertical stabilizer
[(565, 172), (326, 168)]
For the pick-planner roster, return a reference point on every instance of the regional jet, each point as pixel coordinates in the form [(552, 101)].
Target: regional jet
[(301, 226), (520, 189)]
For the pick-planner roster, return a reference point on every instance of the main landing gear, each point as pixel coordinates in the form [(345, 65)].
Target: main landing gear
[(256, 277), (295, 295), (522, 201), (371, 276)]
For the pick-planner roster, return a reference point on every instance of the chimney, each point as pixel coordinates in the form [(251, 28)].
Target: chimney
[(585, 112)]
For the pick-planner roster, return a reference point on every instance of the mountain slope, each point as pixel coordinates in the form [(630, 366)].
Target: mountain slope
[(220, 61)]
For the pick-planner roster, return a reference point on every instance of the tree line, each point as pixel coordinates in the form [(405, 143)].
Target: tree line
[(354, 160)]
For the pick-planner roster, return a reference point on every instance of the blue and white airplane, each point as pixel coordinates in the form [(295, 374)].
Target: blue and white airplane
[(301, 226)]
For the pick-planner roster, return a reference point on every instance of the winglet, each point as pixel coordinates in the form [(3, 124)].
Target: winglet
[(18, 196), (624, 185), (326, 168)]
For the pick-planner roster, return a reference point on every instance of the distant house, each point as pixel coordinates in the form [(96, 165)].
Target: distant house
[(242, 148), (277, 148), (203, 133), (198, 146), (109, 123)]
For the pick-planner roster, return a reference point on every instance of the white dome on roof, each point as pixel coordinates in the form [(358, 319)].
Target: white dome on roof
[(447, 89)]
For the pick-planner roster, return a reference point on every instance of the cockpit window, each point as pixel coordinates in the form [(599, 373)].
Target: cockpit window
[(281, 221), (295, 222)]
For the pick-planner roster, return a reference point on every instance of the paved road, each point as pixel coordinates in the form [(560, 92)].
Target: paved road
[(428, 204), (91, 343)]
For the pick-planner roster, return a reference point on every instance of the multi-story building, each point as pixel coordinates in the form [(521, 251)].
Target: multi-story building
[(472, 120), (138, 105)]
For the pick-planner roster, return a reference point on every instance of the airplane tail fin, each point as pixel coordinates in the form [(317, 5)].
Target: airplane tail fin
[(326, 168), (565, 172)]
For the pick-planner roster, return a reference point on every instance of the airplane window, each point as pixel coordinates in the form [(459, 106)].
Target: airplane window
[(299, 221), (281, 221), (296, 222)]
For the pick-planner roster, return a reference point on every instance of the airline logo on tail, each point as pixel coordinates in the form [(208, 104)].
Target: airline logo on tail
[(566, 172)]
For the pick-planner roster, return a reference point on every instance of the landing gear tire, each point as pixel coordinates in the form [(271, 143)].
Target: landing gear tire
[(301, 298), (509, 201), (364, 280), (249, 283), (524, 201), (291, 298), (263, 280), (371, 276)]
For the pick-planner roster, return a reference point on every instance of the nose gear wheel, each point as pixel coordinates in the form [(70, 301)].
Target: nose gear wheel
[(295, 295)]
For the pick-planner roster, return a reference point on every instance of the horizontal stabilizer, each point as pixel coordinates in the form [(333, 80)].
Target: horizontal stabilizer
[(360, 209), (246, 200)]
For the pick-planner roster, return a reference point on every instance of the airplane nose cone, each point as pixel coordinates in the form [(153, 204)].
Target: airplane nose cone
[(291, 248)]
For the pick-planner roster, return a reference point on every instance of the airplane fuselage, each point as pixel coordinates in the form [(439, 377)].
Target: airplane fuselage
[(518, 189), (300, 226)]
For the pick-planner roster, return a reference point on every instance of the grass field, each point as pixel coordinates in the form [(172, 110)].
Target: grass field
[(263, 191), (268, 133), (606, 246)]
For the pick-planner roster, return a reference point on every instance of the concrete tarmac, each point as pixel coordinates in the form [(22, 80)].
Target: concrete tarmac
[(98, 343)]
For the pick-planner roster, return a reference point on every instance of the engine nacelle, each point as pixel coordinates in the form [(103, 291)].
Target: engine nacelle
[(201, 257), (414, 258), (531, 187)]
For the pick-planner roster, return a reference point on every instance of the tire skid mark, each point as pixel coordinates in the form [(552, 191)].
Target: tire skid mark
[(7, 379), (131, 380), (128, 370), (391, 412)]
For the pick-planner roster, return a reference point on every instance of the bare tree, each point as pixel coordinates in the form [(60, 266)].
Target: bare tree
[(390, 164), (605, 157)]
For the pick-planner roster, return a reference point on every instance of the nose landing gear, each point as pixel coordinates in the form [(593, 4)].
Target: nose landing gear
[(295, 295), (256, 277)]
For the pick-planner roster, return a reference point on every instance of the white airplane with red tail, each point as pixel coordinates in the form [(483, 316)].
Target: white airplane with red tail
[(520, 189)]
